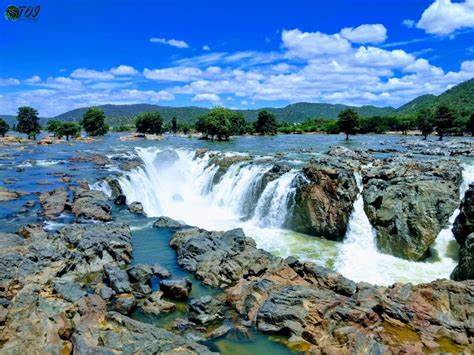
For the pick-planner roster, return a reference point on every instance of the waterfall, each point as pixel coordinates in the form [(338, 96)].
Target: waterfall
[(178, 184), (360, 260)]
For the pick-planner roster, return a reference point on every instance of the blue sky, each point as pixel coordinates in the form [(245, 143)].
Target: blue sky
[(243, 54)]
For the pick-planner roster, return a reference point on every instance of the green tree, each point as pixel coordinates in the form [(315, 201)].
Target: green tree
[(238, 123), (28, 121), (174, 125), (470, 124), (424, 122), (69, 129), (266, 123), (348, 121), (217, 123), (93, 122), (53, 127), (4, 127), (444, 118), (149, 122)]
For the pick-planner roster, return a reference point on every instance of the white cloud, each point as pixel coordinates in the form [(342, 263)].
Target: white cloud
[(310, 44), (171, 42), (206, 48), (33, 80), (373, 56), (408, 23), (444, 17), (91, 74), (375, 33), (123, 70), (179, 74), (9, 82), (213, 98)]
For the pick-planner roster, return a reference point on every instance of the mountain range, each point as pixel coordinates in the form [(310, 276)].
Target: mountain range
[(460, 97)]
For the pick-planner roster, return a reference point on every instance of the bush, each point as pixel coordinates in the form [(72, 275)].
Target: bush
[(266, 123), (220, 123)]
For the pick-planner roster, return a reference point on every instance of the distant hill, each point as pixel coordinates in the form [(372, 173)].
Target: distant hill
[(11, 119), (460, 97), (124, 114)]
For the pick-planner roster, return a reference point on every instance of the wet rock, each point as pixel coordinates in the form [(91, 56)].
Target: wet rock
[(178, 289), (124, 303), (140, 273), (91, 204), (9, 240), (160, 271), (167, 222), (223, 162), (219, 259), (464, 223), (156, 305), (206, 310), (105, 292), (117, 278), (31, 231), (325, 199), (7, 195), (100, 243), (96, 159), (463, 230), (346, 153), (29, 204), (118, 332), (69, 290), (117, 194), (408, 202), (54, 202), (136, 207)]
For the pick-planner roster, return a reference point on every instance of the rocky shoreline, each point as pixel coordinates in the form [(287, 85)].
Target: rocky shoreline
[(77, 290)]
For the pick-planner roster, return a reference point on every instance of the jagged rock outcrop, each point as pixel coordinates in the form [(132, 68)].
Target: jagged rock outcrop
[(55, 295), (54, 202), (463, 230), (321, 311), (136, 207), (91, 204), (324, 199), (117, 194), (408, 202)]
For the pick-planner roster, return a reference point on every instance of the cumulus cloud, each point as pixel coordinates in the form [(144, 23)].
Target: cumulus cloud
[(171, 42), (33, 80), (9, 82), (309, 44), (375, 33), (91, 74), (206, 48), (213, 98), (123, 70), (444, 17)]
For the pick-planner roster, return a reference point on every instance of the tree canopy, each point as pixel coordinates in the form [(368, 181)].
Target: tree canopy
[(28, 121), (444, 119), (4, 127), (220, 123), (266, 123), (149, 122), (348, 121), (424, 122), (93, 122)]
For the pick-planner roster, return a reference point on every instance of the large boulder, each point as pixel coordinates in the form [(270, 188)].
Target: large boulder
[(178, 289), (324, 199), (408, 202), (206, 309), (91, 204), (54, 202), (116, 191), (463, 230)]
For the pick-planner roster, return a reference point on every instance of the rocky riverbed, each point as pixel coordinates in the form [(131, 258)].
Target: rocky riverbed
[(70, 281)]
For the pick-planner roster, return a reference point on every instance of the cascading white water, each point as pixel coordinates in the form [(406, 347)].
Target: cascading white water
[(179, 185), (360, 260)]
